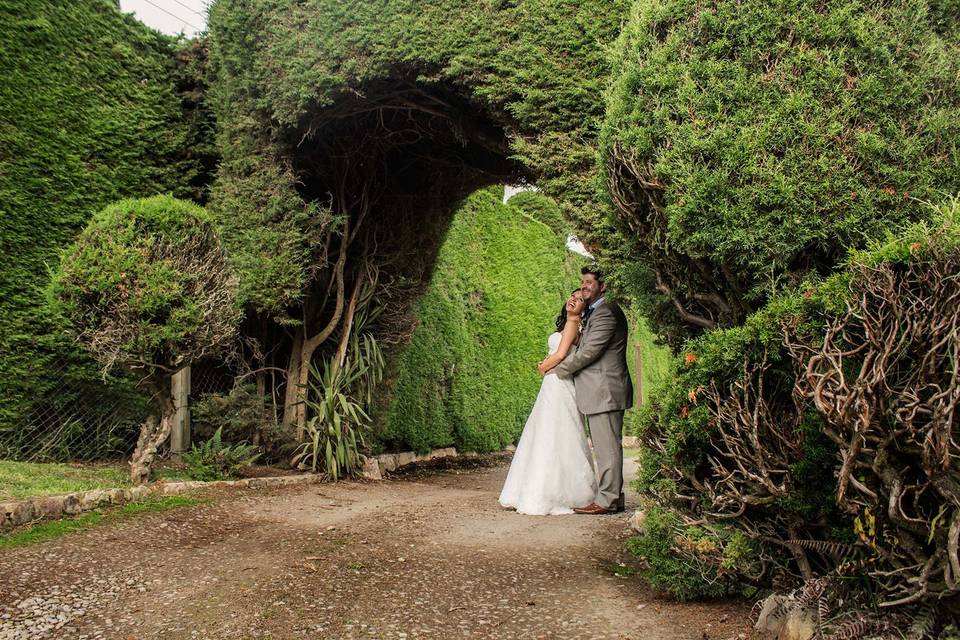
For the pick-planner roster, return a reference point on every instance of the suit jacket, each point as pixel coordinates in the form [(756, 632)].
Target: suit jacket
[(599, 366)]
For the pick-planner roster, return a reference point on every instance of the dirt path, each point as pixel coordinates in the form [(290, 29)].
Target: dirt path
[(426, 556)]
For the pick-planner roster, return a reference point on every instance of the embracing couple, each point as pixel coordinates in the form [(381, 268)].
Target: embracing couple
[(585, 375)]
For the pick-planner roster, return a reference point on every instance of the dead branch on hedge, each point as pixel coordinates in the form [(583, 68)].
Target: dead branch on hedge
[(694, 288), (886, 376)]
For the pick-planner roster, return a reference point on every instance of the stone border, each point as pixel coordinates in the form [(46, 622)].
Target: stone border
[(21, 512), (374, 468)]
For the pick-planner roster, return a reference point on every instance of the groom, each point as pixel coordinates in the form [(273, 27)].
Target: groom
[(604, 389)]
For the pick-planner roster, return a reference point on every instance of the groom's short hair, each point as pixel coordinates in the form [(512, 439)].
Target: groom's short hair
[(593, 270)]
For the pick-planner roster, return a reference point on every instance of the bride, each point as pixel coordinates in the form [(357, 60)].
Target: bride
[(552, 469)]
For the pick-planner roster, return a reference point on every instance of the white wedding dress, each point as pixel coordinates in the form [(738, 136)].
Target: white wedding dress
[(552, 469)]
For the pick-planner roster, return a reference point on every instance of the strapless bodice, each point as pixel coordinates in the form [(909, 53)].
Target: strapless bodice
[(553, 342)]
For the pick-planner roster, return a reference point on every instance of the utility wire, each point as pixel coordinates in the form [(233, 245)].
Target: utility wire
[(195, 27), (188, 8)]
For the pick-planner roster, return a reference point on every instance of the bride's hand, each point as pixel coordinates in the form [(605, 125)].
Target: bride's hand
[(542, 368)]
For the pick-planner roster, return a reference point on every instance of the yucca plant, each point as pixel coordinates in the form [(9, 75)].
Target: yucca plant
[(339, 399)]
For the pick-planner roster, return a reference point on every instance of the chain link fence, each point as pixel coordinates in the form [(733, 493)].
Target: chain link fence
[(79, 417), (85, 418)]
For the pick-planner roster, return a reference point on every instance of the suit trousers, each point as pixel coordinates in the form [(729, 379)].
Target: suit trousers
[(606, 430)]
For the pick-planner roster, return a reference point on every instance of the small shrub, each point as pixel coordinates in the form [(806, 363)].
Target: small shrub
[(803, 426), (213, 460), (687, 562), (240, 416), (146, 287)]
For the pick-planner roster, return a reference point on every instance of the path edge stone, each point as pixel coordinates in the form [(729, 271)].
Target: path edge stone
[(374, 467), (21, 512)]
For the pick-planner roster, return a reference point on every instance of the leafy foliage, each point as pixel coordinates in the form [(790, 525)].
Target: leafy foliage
[(829, 382), (689, 562), (241, 415), (655, 367), (747, 145), (339, 407), (214, 460), (287, 94), (146, 286), (96, 107)]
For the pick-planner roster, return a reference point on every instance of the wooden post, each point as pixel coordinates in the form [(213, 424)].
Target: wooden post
[(180, 431), (638, 383)]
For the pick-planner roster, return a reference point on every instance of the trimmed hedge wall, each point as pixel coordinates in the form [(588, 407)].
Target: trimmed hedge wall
[(93, 109), (748, 144), (468, 378)]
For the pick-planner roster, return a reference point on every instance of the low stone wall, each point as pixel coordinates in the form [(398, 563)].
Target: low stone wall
[(21, 512)]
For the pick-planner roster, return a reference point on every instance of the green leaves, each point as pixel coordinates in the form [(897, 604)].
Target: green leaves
[(212, 460), (91, 113), (338, 403), (468, 376), (146, 286), (751, 144)]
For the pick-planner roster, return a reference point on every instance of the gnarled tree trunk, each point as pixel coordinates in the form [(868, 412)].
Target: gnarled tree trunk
[(153, 433), (292, 392)]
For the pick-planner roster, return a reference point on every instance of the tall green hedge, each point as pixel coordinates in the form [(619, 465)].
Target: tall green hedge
[(89, 113), (468, 378)]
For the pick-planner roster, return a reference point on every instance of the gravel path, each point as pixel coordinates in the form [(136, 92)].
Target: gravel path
[(428, 555)]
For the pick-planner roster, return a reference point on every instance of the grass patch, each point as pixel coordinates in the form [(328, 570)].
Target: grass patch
[(49, 530), (57, 528), (20, 480), (30, 479)]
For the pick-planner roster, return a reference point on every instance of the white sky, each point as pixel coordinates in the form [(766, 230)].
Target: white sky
[(170, 16), (574, 244)]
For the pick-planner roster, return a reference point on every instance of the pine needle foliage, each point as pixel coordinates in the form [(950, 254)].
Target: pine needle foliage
[(468, 377), (488, 91)]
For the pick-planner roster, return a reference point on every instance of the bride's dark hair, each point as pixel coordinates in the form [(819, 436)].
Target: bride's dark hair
[(562, 318)]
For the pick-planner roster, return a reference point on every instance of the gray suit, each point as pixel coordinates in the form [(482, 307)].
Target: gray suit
[(604, 392)]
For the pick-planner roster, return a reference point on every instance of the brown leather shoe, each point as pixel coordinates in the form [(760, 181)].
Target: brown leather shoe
[(592, 509)]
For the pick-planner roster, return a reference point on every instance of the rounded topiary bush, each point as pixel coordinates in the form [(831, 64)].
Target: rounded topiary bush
[(749, 143), (146, 287)]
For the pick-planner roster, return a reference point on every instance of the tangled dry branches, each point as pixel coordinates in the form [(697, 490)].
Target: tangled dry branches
[(886, 377)]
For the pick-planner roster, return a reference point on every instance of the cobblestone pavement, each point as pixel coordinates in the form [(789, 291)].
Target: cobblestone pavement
[(426, 555)]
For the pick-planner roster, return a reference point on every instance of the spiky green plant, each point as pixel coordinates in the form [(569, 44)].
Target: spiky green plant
[(339, 400)]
